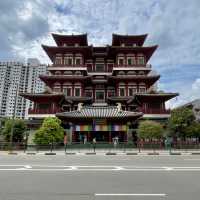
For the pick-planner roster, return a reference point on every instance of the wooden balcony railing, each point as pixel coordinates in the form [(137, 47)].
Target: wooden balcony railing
[(43, 111), (154, 111)]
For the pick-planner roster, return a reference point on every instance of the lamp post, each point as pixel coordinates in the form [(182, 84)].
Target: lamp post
[(13, 118)]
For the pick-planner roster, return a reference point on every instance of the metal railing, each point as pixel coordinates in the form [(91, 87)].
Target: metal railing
[(89, 147)]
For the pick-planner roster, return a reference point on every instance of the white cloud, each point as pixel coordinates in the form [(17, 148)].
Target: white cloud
[(172, 24)]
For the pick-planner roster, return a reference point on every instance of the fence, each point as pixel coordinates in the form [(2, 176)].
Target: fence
[(104, 146)]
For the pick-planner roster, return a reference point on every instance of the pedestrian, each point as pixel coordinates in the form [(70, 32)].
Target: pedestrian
[(94, 143), (115, 142), (85, 139), (65, 141)]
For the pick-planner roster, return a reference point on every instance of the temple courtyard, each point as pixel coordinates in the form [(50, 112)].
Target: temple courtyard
[(98, 177)]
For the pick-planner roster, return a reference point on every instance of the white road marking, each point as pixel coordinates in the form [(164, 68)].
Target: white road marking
[(95, 168), (191, 159), (27, 166), (134, 194)]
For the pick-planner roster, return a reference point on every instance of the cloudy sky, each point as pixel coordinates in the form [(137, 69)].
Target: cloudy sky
[(172, 24)]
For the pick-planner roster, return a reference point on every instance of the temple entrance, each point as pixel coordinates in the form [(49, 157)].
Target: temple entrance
[(101, 136)]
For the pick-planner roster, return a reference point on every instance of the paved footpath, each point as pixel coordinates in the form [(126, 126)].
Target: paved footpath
[(105, 152), (99, 177)]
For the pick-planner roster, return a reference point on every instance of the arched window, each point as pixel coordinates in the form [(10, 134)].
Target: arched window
[(67, 72), (57, 73), (78, 73), (121, 73)]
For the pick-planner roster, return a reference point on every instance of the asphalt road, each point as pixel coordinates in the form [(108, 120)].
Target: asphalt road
[(93, 177)]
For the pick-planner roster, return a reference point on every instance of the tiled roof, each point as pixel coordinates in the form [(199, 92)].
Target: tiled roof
[(99, 112)]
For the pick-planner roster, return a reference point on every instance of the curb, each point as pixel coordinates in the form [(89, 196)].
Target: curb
[(31, 153), (195, 153), (175, 154), (151, 154), (70, 153), (51, 153), (90, 153), (111, 154), (12, 153), (130, 154)]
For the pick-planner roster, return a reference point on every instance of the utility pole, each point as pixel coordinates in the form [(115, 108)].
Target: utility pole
[(13, 119)]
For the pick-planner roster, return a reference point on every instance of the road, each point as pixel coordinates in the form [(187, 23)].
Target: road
[(41, 177)]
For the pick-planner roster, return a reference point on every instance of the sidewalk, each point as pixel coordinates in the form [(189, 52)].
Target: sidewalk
[(105, 152)]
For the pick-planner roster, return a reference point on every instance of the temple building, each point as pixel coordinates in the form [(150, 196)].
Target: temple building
[(100, 92)]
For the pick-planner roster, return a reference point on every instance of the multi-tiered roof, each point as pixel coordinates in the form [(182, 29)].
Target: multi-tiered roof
[(86, 74)]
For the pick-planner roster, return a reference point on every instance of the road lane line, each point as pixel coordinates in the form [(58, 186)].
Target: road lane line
[(133, 194)]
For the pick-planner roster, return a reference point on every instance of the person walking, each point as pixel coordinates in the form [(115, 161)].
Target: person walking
[(94, 143)]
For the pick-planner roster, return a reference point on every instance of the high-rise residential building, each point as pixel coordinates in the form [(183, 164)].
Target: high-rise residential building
[(15, 78), (100, 91), (35, 85)]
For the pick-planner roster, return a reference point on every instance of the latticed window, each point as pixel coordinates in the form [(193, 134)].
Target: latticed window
[(68, 61), (99, 67), (100, 94), (132, 91), (141, 60), (67, 91), (88, 93), (120, 61), (58, 60), (77, 92), (122, 91), (78, 61), (129, 61), (142, 89)]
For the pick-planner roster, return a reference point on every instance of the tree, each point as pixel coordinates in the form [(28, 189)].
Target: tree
[(150, 130), (193, 130), (51, 131), (19, 128), (180, 119)]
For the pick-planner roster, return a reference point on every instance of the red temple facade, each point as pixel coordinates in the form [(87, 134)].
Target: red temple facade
[(100, 92)]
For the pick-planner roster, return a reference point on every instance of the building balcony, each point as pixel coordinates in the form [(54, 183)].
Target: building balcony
[(154, 111), (43, 111)]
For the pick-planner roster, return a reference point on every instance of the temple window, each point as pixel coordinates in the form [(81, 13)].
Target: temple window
[(57, 87), (77, 61), (77, 91), (100, 94), (78, 73), (88, 93), (132, 91), (142, 89), (120, 61), (111, 93), (67, 72), (58, 61), (99, 67), (121, 91), (68, 61), (129, 61), (57, 73), (121, 73), (140, 60), (67, 91), (141, 72)]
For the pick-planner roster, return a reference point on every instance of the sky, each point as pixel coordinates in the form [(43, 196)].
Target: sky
[(172, 24)]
